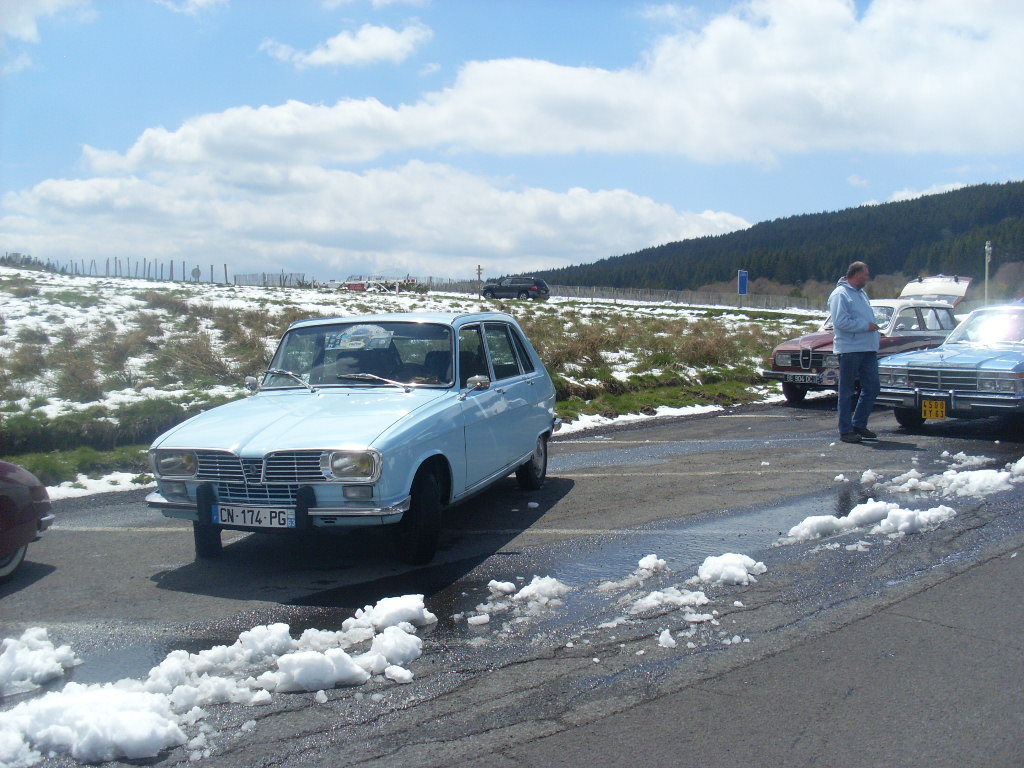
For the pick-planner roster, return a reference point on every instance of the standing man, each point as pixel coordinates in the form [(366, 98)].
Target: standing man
[(856, 343)]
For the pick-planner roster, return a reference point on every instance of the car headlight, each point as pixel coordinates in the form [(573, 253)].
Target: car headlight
[(173, 463), (998, 383), (831, 361), (784, 359), (893, 377), (351, 466)]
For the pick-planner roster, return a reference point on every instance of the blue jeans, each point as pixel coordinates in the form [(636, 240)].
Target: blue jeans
[(854, 367)]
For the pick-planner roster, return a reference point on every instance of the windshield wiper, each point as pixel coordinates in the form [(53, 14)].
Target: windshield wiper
[(283, 372), (374, 377)]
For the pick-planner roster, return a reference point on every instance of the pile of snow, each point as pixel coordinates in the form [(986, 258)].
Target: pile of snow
[(730, 568), (543, 593), (31, 660), (138, 719), (884, 517), (646, 569)]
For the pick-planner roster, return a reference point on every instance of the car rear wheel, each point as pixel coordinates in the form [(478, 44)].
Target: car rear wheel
[(207, 540), (908, 417), (793, 393), (416, 535), (9, 563), (532, 473)]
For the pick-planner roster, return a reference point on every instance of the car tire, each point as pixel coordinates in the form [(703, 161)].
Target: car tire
[(793, 393), (532, 473), (9, 563), (416, 534), (488, 294), (207, 540), (523, 295), (909, 418)]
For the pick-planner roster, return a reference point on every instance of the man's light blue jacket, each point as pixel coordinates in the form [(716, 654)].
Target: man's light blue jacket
[(851, 315)]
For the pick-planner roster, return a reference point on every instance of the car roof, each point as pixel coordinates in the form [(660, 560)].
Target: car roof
[(440, 318), (901, 303)]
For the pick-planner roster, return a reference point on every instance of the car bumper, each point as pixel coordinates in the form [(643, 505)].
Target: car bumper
[(957, 403), (828, 378), (316, 517)]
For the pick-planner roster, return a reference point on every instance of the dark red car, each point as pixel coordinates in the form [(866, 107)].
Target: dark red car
[(809, 362), (24, 514)]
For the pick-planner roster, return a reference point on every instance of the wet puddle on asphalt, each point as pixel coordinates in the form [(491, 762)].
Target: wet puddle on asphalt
[(457, 588)]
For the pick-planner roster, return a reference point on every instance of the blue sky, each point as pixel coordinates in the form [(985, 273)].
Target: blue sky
[(427, 137)]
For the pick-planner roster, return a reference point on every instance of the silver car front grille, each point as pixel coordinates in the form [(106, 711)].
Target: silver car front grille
[(283, 468), (942, 379)]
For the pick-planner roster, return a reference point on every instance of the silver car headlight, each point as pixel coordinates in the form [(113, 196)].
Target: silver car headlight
[(172, 463), (784, 359), (999, 382), (351, 466)]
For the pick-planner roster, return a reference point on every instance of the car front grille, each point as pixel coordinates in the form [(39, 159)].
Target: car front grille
[(241, 493), (941, 379), (283, 468)]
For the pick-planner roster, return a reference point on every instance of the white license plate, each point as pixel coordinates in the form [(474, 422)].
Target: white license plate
[(803, 378), (253, 517)]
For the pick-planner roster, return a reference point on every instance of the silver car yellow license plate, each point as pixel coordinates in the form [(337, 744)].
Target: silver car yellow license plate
[(933, 409), (253, 517)]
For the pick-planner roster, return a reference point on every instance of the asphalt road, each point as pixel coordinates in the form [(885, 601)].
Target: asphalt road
[(908, 653)]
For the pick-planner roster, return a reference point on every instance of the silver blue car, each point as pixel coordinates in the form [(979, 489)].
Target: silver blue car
[(977, 371), (373, 420)]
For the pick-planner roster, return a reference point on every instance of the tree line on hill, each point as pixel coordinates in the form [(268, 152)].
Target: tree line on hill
[(937, 234)]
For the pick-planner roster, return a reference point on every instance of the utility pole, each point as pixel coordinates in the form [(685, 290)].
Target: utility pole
[(988, 258)]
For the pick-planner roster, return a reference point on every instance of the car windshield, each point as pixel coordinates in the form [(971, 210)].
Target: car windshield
[(363, 355), (1001, 326)]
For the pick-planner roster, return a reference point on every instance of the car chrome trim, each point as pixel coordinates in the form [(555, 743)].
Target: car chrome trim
[(394, 509)]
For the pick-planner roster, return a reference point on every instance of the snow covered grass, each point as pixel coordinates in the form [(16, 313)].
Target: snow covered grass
[(379, 646), (114, 361)]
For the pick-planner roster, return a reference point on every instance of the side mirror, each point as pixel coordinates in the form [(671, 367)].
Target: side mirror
[(252, 383), (478, 382)]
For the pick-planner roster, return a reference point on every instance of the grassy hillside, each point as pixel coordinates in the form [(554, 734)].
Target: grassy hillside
[(95, 368)]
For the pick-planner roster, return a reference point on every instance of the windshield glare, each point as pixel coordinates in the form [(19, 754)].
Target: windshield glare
[(996, 327), (361, 354)]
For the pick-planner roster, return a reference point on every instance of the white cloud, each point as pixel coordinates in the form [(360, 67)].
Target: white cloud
[(190, 7), (912, 194), (856, 180), (776, 77), (368, 45), (18, 18), (421, 218)]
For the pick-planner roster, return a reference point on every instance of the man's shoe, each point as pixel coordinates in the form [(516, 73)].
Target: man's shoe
[(850, 437), (865, 432)]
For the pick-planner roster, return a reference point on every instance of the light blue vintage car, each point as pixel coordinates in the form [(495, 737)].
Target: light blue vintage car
[(373, 420), (977, 371)]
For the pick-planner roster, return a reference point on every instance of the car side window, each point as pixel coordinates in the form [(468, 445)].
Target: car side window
[(503, 355), (947, 320), (472, 360), (907, 320), (524, 356), (932, 320)]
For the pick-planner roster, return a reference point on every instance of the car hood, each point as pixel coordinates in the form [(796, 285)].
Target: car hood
[(962, 356), (299, 419), (816, 340)]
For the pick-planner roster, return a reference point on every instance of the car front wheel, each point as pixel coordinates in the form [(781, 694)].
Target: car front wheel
[(488, 294), (532, 473), (9, 563), (416, 534), (910, 418), (793, 393), (523, 295)]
